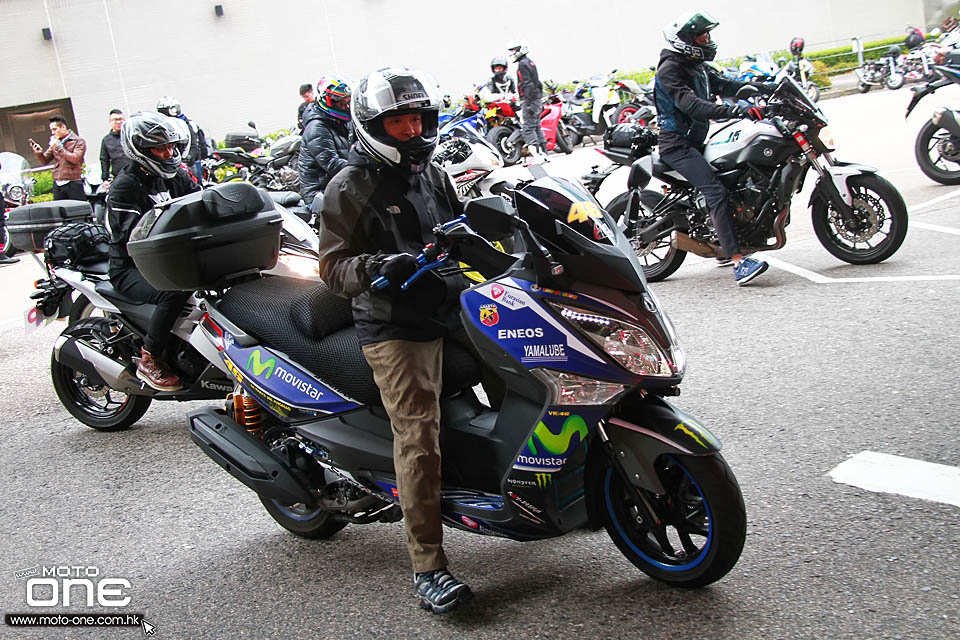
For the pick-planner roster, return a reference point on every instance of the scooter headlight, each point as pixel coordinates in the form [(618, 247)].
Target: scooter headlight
[(569, 389), (629, 344)]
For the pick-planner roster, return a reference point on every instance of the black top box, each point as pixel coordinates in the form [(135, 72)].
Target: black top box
[(246, 141), (204, 240), (30, 224)]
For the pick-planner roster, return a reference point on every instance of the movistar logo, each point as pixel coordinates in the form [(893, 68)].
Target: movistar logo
[(682, 427), (557, 444), (544, 479), (255, 365)]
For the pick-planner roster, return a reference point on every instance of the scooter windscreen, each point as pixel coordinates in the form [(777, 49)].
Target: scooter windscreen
[(580, 234)]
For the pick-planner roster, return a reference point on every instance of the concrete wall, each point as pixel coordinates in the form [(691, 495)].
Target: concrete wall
[(249, 63)]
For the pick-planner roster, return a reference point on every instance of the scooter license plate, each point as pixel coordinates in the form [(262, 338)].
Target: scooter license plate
[(34, 319)]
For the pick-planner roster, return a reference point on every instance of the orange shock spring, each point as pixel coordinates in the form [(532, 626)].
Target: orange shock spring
[(247, 413)]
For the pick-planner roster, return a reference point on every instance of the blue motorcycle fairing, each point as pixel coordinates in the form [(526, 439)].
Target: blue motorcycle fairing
[(284, 387), (519, 323)]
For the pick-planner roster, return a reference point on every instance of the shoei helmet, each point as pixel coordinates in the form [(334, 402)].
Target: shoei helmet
[(144, 130), (331, 90), (390, 92), (169, 106), (796, 46), (681, 33), (498, 61), (517, 49)]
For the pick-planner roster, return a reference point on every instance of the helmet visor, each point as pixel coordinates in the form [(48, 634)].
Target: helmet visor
[(394, 90)]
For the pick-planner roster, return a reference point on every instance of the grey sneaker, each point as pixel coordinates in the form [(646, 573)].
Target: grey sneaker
[(439, 592)]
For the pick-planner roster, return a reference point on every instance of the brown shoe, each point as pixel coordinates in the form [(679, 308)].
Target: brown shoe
[(156, 373)]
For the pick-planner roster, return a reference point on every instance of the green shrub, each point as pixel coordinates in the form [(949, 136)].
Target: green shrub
[(44, 182), (43, 197)]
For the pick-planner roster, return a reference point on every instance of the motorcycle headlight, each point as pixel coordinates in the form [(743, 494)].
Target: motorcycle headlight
[(569, 389), (628, 344), (15, 193)]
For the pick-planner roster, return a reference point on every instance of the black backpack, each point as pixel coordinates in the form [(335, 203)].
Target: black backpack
[(77, 243)]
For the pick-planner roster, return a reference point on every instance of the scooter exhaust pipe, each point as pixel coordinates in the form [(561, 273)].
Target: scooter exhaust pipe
[(100, 367), (684, 242), (947, 118)]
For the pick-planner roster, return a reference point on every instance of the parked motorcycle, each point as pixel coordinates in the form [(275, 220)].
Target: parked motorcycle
[(471, 162), (937, 148), (801, 70), (16, 189), (857, 216), (93, 366), (507, 136), (595, 106), (276, 170), (583, 436), (882, 71), (95, 191)]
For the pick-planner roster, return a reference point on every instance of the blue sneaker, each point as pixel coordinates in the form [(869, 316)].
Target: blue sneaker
[(748, 269)]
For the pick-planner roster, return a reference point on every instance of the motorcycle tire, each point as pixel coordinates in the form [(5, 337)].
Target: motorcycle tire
[(6, 247), (94, 405), (624, 111), (655, 267), (703, 520), (81, 309), (498, 137), (895, 81), (876, 202), (303, 521), (812, 91), (928, 141), (564, 138), (863, 87)]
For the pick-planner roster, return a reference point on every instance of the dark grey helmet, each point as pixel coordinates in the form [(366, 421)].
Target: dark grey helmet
[(148, 129)]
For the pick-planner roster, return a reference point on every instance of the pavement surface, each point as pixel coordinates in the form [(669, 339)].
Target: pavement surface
[(815, 362)]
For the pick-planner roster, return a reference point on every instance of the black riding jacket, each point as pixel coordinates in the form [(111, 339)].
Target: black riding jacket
[(132, 193), (323, 151), (112, 157), (682, 92), (528, 80), (369, 209)]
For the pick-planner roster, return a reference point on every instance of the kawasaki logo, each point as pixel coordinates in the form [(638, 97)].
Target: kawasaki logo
[(557, 444), (255, 365)]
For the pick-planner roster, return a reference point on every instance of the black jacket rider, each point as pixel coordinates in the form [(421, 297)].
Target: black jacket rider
[(323, 151), (369, 209), (528, 80), (112, 158), (133, 193)]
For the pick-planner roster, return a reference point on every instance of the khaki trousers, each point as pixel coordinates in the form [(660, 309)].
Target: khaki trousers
[(409, 375)]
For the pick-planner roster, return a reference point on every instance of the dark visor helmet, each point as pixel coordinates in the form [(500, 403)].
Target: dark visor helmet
[(390, 92), (796, 46), (682, 32), (499, 61)]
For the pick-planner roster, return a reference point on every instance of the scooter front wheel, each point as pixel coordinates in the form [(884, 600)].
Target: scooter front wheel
[(697, 529)]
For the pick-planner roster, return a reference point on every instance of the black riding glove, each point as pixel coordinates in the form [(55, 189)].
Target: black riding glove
[(395, 267), (725, 111), (766, 88)]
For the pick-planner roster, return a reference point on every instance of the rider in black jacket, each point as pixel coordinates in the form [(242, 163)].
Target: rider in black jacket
[(682, 92), (326, 137), (531, 105), (377, 214), (154, 144)]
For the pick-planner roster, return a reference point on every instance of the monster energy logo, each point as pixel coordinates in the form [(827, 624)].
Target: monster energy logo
[(544, 479), (255, 365), (684, 429)]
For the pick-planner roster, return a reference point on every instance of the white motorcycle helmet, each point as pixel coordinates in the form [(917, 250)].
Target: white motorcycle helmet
[(517, 49)]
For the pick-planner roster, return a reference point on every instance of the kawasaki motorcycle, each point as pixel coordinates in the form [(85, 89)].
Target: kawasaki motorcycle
[(580, 433), (858, 216)]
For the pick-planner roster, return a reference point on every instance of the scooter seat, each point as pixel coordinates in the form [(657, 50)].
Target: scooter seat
[(314, 327)]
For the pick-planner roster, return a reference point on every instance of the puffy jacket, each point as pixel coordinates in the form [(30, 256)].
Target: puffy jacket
[(682, 92), (133, 193), (528, 80), (370, 209), (323, 151), (67, 159)]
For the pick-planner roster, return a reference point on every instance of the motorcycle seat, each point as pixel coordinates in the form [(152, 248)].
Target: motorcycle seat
[(314, 327), (578, 101), (105, 288), (663, 171), (286, 198), (96, 269)]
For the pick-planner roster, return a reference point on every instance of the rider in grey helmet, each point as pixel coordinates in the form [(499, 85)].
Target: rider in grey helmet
[(377, 214), (683, 92), (155, 145)]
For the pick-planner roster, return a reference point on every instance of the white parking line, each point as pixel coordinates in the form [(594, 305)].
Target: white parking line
[(821, 279), (937, 200), (934, 227), (884, 473)]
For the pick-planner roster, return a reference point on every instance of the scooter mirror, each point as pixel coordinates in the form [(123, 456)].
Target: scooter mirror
[(491, 217), (252, 125), (747, 91)]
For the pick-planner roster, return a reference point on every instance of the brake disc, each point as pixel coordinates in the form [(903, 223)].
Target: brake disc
[(864, 222)]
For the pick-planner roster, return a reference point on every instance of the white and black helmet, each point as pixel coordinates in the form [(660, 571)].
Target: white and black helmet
[(517, 49), (147, 129), (397, 91), (680, 35), (169, 106)]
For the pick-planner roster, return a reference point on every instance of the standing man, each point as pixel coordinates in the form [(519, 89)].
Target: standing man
[(197, 150), (377, 214), (306, 92), (682, 91), (112, 158), (66, 151), (326, 138), (531, 106)]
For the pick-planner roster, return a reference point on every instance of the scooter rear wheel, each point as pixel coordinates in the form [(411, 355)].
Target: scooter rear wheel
[(303, 521)]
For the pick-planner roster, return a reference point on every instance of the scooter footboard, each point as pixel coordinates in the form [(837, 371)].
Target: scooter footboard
[(246, 458)]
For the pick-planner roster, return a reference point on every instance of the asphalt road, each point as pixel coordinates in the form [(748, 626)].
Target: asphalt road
[(795, 374)]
